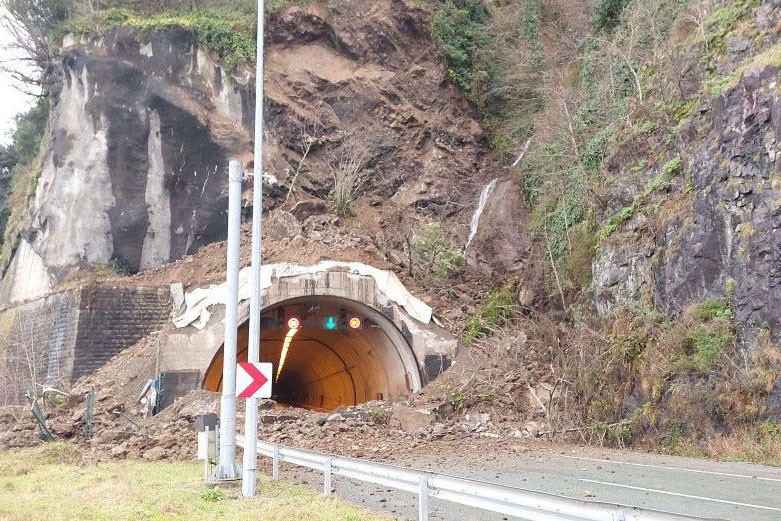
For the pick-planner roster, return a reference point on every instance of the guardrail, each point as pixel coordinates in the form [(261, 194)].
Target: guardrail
[(525, 504)]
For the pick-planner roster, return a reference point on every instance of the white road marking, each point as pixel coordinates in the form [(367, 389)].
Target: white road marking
[(746, 476), (656, 491)]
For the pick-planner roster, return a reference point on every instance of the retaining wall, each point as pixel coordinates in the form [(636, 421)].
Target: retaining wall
[(61, 337)]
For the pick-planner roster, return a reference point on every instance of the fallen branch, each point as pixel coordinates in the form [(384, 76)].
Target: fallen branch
[(523, 152)]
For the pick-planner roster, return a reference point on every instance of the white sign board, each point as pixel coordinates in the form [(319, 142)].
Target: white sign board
[(254, 380)]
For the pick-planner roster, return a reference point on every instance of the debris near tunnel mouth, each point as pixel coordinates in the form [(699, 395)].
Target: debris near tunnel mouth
[(376, 430), (120, 429)]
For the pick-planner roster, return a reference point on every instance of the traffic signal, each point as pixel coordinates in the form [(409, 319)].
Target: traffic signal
[(330, 322), (343, 321), (293, 323)]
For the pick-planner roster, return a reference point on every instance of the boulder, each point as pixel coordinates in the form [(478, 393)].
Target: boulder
[(410, 420), (306, 209), (155, 454), (499, 243), (281, 225)]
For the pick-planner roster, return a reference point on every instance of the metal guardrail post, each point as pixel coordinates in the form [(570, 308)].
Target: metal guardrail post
[(493, 497), (423, 498), (88, 413), (327, 475), (275, 463)]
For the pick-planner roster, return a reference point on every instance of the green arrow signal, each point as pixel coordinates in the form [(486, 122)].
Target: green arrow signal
[(330, 322)]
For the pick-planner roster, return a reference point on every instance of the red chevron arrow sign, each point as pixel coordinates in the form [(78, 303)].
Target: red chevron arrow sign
[(253, 380)]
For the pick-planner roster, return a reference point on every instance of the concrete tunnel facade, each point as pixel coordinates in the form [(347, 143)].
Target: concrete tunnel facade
[(396, 350)]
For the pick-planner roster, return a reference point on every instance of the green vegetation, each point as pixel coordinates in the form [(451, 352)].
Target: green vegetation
[(53, 482), (230, 35), (626, 213), (495, 54), (712, 308), (28, 149), (459, 29), (724, 20), (682, 371), (607, 13), (708, 348), (226, 27), (431, 254), (498, 306)]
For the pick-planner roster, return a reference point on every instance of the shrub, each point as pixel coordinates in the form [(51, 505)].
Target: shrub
[(212, 495), (704, 350), (432, 254), (607, 13), (27, 148), (348, 174), (230, 34), (661, 181), (498, 306), (712, 308), (29, 130)]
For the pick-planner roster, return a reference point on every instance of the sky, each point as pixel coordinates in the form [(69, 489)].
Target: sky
[(12, 101)]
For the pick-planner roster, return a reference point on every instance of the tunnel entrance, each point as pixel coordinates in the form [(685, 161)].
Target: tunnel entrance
[(328, 352)]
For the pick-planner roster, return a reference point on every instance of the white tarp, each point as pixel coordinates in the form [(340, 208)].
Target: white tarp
[(198, 301)]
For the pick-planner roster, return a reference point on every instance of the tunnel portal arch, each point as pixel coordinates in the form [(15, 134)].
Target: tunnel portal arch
[(399, 349), (326, 368)]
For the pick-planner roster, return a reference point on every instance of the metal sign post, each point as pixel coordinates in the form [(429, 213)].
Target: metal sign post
[(253, 352), (227, 468)]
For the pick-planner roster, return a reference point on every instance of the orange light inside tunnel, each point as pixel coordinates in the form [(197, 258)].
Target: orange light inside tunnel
[(286, 345)]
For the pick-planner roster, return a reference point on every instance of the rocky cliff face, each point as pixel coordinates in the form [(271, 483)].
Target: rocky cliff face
[(135, 174), (144, 123), (715, 232)]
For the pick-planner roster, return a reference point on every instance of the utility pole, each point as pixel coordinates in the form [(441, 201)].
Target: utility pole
[(253, 352), (227, 469)]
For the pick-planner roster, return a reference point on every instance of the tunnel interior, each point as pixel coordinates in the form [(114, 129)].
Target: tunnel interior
[(328, 352)]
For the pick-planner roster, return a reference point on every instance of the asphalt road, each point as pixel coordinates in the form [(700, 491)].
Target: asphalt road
[(730, 491)]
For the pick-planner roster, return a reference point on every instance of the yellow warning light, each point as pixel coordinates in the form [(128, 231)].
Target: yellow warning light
[(355, 323), (293, 323)]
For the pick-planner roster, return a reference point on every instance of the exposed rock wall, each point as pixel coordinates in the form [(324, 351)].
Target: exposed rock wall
[(134, 174), (144, 123), (732, 245), (714, 231)]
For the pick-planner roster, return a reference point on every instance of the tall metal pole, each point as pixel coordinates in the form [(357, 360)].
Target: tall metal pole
[(253, 353), (227, 468)]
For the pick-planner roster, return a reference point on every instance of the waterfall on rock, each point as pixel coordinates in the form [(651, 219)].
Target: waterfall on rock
[(486, 193)]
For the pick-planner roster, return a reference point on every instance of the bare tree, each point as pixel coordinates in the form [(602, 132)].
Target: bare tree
[(698, 12), (23, 363), (31, 24), (307, 137)]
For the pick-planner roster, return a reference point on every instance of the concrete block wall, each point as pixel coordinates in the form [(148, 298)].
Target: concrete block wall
[(66, 335), (114, 318)]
